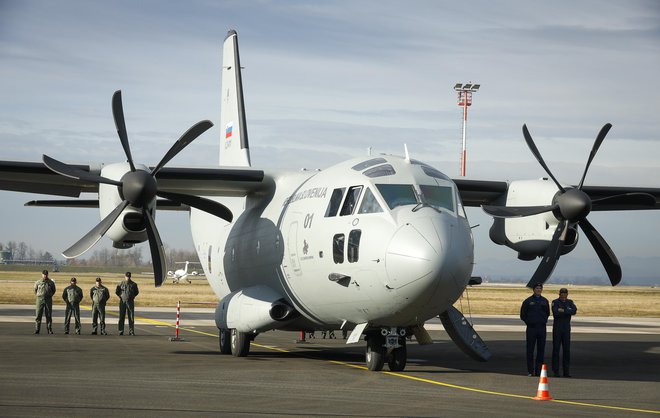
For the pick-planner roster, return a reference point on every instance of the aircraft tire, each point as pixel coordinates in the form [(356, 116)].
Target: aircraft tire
[(240, 343), (375, 353), (398, 358), (224, 338)]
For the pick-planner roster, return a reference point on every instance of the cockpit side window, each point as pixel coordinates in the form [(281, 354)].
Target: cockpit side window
[(369, 163), (351, 200), (438, 196), (335, 202), (398, 194), (369, 203), (459, 206)]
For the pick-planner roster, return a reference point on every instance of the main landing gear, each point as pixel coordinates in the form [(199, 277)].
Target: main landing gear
[(388, 345), (235, 342)]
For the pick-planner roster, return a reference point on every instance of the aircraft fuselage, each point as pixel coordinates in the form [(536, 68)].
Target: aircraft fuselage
[(375, 240)]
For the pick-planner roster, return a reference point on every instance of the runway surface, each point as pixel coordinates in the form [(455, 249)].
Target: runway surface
[(616, 369)]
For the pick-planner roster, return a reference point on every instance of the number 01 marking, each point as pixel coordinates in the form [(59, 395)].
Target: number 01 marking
[(308, 220)]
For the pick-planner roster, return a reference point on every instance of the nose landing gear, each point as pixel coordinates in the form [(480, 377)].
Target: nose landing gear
[(390, 346)]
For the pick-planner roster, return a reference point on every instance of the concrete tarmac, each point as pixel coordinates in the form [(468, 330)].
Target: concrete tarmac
[(614, 374)]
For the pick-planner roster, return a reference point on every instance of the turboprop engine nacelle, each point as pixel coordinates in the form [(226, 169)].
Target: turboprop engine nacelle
[(531, 235), (129, 228), (253, 309)]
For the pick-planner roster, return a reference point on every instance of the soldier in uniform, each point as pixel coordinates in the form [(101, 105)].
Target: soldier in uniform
[(562, 311), (99, 295), (127, 290), (44, 290), (72, 296), (534, 312)]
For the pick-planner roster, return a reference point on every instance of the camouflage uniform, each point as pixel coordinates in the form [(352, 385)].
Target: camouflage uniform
[(72, 296), (99, 295), (127, 290), (44, 290)]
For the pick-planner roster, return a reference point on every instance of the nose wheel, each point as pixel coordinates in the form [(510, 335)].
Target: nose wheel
[(375, 354), (398, 357), (390, 346)]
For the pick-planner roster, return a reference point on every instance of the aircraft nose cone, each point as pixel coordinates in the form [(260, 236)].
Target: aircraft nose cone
[(412, 255)]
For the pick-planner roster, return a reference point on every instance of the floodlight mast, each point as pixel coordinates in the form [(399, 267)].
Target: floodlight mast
[(464, 100)]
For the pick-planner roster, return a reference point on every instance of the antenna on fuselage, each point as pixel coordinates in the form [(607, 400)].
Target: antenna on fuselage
[(405, 149)]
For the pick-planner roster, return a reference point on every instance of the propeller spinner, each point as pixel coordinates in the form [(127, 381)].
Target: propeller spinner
[(571, 207), (138, 188)]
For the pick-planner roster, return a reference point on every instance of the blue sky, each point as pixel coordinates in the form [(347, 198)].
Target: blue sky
[(326, 80)]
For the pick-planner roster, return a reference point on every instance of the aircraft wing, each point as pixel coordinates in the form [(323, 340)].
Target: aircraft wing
[(35, 177), (486, 192)]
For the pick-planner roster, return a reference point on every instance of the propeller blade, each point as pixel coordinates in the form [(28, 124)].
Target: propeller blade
[(207, 205), (189, 136), (74, 172), (552, 253), (537, 155), (515, 211), (625, 200), (93, 236), (156, 248), (604, 252), (599, 140), (118, 114)]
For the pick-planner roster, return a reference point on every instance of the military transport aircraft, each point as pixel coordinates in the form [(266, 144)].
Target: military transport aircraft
[(377, 245)]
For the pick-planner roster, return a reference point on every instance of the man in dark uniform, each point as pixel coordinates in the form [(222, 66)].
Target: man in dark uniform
[(99, 295), (562, 311), (44, 290), (72, 296), (127, 290), (534, 312)]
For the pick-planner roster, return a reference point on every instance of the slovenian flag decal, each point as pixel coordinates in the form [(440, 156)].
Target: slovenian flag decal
[(228, 130)]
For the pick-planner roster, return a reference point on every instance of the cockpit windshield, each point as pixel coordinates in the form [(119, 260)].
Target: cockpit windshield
[(398, 194), (441, 197)]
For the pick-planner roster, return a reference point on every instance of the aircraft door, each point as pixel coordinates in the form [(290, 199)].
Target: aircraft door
[(292, 249)]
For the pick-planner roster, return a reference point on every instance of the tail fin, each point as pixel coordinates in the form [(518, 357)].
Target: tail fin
[(234, 148)]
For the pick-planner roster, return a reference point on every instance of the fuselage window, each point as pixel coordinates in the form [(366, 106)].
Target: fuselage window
[(354, 245), (351, 200), (369, 203), (335, 202), (338, 248), (368, 163), (380, 171), (438, 196), (398, 194)]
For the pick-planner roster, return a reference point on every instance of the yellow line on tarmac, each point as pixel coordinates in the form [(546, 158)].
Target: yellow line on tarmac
[(405, 376)]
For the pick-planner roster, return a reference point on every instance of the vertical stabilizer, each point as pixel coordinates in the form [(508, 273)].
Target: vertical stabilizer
[(234, 149)]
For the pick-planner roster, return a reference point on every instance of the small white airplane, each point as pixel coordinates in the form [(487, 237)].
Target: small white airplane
[(183, 274), (377, 245)]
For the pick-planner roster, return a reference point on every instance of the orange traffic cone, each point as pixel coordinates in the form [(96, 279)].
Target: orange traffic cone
[(543, 394)]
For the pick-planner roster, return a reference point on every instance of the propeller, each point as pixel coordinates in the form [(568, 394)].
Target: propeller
[(138, 188), (571, 206)]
